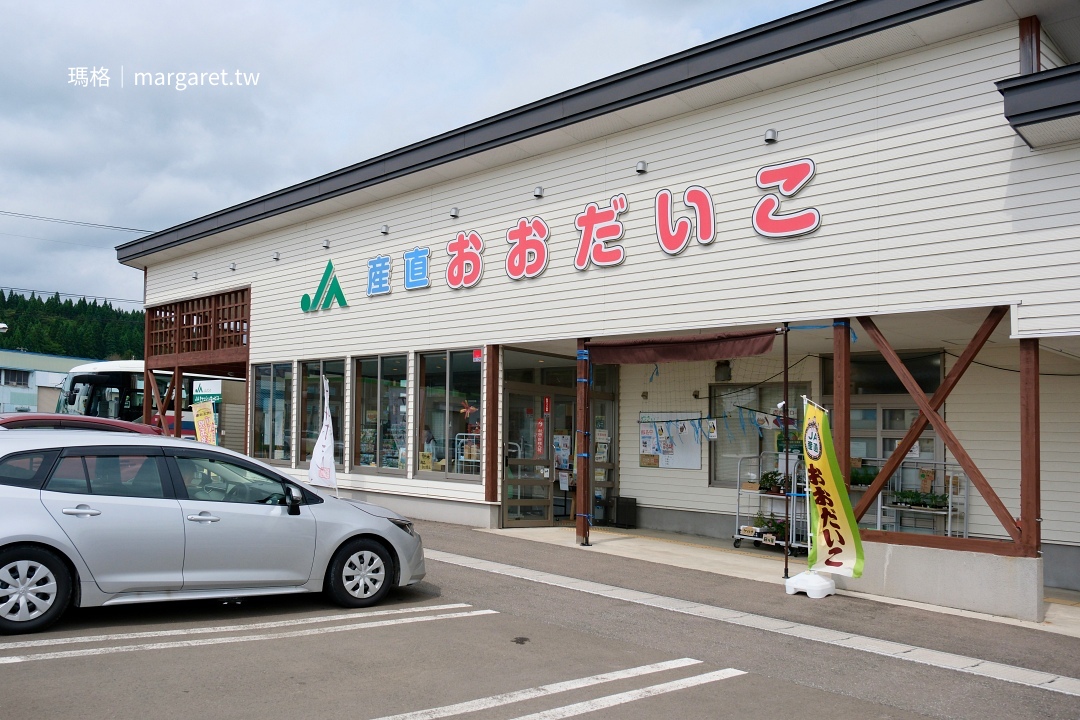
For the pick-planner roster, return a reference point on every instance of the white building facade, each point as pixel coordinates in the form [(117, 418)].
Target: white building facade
[(879, 178)]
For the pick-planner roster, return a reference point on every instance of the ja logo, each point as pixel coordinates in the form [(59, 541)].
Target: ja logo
[(812, 440), (329, 290)]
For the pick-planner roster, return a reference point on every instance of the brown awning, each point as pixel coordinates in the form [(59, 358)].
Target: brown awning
[(723, 346)]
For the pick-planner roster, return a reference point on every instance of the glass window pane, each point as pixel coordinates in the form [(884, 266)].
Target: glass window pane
[(69, 477), (898, 419), (212, 480), (125, 475), (310, 407), (737, 441), (526, 436), (367, 412), (282, 412), (864, 419), (261, 415), (433, 409), (393, 392), (26, 470), (863, 447), (464, 413), (334, 370)]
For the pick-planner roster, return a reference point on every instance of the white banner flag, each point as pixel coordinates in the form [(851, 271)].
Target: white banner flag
[(321, 471)]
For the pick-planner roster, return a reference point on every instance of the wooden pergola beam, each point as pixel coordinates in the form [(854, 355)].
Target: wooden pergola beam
[(1030, 451), (841, 422), (944, 432)]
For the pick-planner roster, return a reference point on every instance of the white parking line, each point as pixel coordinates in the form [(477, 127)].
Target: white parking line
[(541, 691), (911, 653), (621, 698), (12, 659), (18, 645)]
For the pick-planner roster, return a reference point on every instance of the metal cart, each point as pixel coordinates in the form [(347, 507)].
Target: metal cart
[(773, 507)]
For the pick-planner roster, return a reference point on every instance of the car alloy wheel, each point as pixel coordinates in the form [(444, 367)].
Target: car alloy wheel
[(363, 574), (360, 574), (34, 589)]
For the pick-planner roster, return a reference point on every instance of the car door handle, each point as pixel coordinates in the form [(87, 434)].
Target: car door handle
[(81, 511), (203, 517)]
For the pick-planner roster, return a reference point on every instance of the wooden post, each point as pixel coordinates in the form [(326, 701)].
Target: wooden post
[(491, 424), (841, 416), (1030, 454), (583, 446), (1030, 45), (177, 397)]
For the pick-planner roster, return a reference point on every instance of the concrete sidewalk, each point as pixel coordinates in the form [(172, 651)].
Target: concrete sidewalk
[(764, 565)]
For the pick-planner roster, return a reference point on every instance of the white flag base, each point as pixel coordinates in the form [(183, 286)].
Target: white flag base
[(814, 585)]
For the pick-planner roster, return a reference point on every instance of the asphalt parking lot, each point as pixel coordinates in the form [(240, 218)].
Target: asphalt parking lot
[(472, 641)]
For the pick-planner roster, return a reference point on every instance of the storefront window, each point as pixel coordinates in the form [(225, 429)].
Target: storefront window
[(272, 417), (311, 408), (448, 429), (871, 374), (381, 397), (740, 438)]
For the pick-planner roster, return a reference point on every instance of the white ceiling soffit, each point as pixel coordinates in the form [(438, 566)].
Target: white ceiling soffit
[(1054, 132)]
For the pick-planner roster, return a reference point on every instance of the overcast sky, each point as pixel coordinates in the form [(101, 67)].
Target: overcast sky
[(338, 82)]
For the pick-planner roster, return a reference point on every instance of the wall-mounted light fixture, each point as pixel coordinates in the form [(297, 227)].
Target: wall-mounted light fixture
[(723, 370), (195, 275), (276, 256), (642, 167), (645, 395), (326, 243), (538, 192), (771, 136), (454, 212), (385, 229), (232, 266)]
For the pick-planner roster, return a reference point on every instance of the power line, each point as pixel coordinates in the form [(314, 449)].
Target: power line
[(50, 293), (71, 222)]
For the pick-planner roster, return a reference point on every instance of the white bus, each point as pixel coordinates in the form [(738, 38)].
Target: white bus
[(115, 389)]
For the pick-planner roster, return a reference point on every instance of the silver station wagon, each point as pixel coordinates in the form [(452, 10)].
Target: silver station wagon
[(93, 518)]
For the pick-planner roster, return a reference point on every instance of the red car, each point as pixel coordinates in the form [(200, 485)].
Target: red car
[(56, 421)]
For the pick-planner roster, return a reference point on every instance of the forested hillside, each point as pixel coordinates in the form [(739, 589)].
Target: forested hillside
[(62, 327)]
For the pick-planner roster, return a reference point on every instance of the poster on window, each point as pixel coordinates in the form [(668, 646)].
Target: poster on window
[(670, 440), (562, 452)]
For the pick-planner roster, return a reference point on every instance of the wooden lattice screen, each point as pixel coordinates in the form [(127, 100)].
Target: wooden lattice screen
[(202, 331)]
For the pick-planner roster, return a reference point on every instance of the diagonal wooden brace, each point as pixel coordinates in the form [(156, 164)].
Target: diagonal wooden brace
[(951, 379), (944, 432)]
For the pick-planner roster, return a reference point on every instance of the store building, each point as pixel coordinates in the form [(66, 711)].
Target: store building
[(896, 183), (31, 382)]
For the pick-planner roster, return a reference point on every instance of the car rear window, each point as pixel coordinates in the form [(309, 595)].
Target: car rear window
[(27, 470)]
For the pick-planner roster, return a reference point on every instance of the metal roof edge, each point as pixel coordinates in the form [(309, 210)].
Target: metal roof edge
[(781, 39)]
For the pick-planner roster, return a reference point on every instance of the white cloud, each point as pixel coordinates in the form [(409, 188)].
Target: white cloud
[(338, 83)]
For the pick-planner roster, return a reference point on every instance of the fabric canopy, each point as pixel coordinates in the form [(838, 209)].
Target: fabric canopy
[(723, 346)]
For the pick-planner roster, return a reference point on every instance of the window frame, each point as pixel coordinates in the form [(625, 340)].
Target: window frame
[(447, 475), (289, 437), (298, 401), (358, 425), (796, 388)]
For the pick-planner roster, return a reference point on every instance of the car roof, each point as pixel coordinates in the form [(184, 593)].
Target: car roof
[(76, 422), (50, 438)]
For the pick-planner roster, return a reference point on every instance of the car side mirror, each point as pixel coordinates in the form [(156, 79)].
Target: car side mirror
[(293, 499)]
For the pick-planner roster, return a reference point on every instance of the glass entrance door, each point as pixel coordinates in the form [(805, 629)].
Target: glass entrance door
[(539, 459)]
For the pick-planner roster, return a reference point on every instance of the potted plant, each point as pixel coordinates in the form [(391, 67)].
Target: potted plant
[(771, 482)]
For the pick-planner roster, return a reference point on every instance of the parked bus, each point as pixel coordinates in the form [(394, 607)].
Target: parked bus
[(116, 389)]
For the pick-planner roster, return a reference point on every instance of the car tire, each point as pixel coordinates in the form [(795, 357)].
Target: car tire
[(35, 589), (360, 574)]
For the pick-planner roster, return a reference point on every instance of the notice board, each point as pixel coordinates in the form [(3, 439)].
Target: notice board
[(670, 440)]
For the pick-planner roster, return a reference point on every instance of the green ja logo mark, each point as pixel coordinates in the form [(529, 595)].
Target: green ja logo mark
[(329, 290)]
